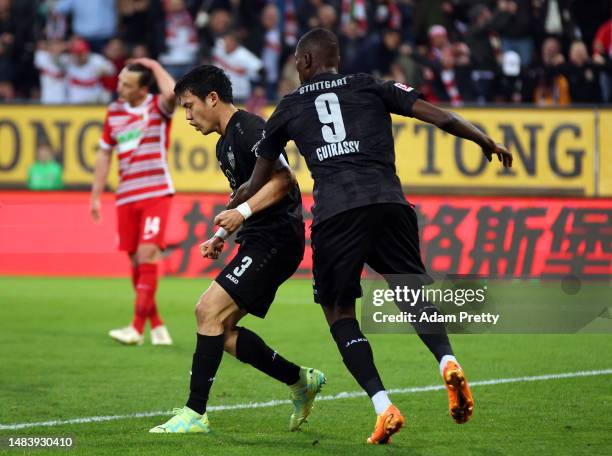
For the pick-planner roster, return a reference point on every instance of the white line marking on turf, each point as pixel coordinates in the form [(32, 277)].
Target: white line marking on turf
[(273, 403)]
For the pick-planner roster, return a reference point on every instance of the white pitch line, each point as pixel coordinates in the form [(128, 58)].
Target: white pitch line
[(273, 403)]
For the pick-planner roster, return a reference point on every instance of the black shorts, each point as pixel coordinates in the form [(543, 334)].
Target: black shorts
[(259, 267), (385, 236)]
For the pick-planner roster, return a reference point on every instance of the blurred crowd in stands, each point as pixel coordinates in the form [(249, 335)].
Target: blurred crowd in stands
[(547, 52)]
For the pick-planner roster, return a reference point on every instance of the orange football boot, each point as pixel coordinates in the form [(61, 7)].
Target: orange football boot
[(388, 423), (460, 402)]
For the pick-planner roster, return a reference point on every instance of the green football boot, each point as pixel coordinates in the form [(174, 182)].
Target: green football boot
[(303, 395), (184, 421)]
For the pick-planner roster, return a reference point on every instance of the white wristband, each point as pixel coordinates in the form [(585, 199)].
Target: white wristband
[(245, 210), (221, 233)]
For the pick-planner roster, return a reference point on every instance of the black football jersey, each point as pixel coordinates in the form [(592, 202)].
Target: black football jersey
[(341, 124), (236, 156)]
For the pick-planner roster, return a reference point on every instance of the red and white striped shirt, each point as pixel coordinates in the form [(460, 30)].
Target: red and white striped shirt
[(140, 137)]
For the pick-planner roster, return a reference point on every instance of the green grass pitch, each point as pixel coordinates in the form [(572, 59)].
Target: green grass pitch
[(57, 363)]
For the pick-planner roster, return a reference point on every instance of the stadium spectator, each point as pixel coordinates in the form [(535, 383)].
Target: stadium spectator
[(84, 71), (352, 39), (582, 74), (327, 17), (554, 18), (142, 21), (140, 51), (485, 45), (452, 76), (51, 63), (8, 54), (515, 27), (290, 79), (551, 87), (381, 52), (265, 40), (510, 83), (94, 20), (45, 173), (212, 27), (240, 64), (181, 43), (602, 47), (115, 53), (438, 41), (429, 13)]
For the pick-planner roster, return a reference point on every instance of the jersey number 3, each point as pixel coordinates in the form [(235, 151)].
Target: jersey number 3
[(328, 109)]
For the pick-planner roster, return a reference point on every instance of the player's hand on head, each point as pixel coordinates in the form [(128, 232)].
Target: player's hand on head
[(502, 153), (145, 61), (229, 220)]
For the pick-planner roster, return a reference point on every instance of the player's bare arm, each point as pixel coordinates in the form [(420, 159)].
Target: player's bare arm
[(456, 125), (262, 173), (283, 180), (101, 168), (165, 82)]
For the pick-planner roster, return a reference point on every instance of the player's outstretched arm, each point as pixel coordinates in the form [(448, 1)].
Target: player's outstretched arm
[(454, 124), (283, 180), (165, 82), (103, 162)]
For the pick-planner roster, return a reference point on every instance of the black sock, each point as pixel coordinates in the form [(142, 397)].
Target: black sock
[(251, 349), (206, 360), (357, 354), (433, 334)]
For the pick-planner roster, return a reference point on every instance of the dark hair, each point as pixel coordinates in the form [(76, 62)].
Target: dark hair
[(146, 75), (322, 44), (205, 79)]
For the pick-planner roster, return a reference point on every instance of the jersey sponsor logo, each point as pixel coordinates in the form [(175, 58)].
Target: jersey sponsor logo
[(232, 278), (356, 341), (404, 87), (231, 158), (335, 149), (321, 85)]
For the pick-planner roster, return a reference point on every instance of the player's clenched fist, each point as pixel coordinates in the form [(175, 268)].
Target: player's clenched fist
[(212, 248), (229, 220)]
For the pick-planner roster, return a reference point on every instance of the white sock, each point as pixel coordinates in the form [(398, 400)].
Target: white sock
[(381, 402), (445, 359)]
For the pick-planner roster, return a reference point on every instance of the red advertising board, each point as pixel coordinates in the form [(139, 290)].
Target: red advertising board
[(52, 234)]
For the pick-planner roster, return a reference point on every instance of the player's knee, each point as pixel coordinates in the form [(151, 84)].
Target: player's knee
[(147, 253), (207, 313)]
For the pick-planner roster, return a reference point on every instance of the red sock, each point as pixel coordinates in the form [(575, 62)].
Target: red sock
[(145, 294), (134, 277), (154, 316)]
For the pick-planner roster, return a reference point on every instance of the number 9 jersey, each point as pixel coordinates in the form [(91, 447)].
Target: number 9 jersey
[(342, 127)]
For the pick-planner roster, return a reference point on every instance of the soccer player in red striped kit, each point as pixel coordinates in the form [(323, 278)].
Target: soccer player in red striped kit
[(137, 127)]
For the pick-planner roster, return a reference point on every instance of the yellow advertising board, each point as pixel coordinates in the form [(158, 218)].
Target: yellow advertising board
[(605, 153), (554, 151)]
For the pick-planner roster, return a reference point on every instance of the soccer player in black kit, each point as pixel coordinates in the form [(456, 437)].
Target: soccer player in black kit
[(271, 248), (341, 124)]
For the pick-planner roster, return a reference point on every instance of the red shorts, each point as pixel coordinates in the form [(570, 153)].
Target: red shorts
[(143, 222)]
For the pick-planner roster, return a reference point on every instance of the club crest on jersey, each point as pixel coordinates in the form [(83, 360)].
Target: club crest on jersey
[(231, 158), (404, 87)]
